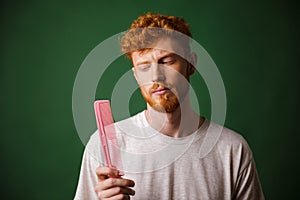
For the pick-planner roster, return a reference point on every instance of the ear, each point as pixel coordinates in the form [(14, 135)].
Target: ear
[(193, 63)]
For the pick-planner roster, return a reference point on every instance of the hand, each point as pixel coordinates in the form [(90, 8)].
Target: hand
[(111, 185)]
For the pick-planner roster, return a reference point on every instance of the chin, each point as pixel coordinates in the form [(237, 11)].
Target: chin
[(163, 105), (164, 109), (167, 103)]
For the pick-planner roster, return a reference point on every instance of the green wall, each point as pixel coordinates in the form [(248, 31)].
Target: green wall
[(43, 43)]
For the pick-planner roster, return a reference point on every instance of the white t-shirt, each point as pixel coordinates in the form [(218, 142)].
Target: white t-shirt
[(211, 163)]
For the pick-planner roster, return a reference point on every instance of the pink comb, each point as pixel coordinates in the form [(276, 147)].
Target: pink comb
[(107, 133), (104, 118)]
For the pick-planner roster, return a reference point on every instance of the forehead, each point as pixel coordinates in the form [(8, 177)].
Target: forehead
[(161, 48)]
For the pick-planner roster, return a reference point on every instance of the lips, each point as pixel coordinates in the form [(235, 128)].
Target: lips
[(160, 90)]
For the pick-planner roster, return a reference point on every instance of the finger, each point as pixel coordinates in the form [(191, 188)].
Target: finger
[(116, 182), (119, 196), (126, 197), (104, 172), (111, 192)]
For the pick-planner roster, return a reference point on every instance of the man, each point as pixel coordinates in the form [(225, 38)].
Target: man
[(160, 146)]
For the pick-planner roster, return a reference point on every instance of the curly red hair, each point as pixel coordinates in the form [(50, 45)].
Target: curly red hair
[(149, 28)]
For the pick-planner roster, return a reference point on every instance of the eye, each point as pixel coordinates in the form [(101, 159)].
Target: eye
[(143, 67), (167, 61)]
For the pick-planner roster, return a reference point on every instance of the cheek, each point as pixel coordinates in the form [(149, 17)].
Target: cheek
[(143, 78), (177, 77), (145, 89), (181, 69)]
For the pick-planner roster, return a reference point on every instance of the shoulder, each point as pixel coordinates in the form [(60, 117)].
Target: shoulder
[(231, 139), (228, 138), (229, 144), (93, 147)]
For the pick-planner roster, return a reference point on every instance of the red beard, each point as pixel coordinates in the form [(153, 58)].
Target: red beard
[(167, 102)]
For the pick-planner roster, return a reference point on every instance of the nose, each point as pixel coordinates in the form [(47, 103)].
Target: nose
[(158, 74)]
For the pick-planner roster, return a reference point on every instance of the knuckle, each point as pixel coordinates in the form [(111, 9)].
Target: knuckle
[(121, 196), (100, 195), (111, 181), (96, 188), (118, 189), (99, 171), (102, 170)]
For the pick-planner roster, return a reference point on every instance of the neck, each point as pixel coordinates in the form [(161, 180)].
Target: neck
[(181, 122)]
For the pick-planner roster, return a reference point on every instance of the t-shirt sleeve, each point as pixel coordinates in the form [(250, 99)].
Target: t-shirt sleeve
[(248, 186), (87, 177)]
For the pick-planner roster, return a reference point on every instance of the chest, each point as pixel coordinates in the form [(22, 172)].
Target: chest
[(185, 178)]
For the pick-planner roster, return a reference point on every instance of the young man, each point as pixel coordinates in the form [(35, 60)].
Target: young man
[(160, 146)]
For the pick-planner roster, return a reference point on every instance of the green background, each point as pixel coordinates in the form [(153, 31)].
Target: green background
[(43, 43)]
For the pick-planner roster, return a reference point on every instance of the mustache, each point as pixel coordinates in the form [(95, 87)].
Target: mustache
[(159, 85)]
